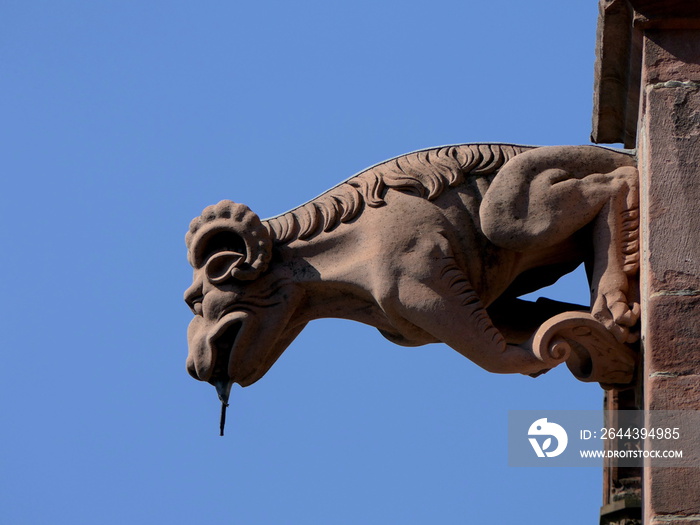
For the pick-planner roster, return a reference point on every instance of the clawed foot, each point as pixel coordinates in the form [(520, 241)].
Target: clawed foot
[(618, 314)]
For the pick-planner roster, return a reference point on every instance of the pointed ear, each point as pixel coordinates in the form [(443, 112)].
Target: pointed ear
[(222, 266)]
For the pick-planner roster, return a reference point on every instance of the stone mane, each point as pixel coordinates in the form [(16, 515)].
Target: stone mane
[(425, 173)]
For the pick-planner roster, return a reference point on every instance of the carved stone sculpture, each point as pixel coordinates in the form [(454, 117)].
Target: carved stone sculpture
[(432, 246)]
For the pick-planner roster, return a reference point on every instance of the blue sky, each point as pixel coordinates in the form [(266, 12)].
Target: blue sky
[(121, 121)]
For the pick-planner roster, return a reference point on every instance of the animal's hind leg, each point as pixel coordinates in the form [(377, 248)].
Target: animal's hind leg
[(542, 197)]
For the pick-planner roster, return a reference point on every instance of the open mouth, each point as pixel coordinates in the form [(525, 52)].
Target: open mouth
[(221, 344)]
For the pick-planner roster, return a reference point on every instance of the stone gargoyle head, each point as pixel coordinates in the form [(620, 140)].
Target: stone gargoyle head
[(242, 309)]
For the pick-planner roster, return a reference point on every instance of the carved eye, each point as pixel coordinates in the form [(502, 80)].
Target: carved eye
[(219, 267), (220, 254)]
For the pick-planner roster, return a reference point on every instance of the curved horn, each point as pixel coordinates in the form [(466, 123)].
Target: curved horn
[(235, 232)]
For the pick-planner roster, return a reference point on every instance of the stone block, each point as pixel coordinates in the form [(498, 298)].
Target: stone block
[(671, 187), (671, 55), (673, 393), (675, 492), (673, 335)]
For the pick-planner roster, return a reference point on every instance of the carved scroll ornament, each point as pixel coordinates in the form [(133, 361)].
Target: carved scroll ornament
[(433, 246)]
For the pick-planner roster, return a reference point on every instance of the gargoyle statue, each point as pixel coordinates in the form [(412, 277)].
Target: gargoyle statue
[(436, 245)]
